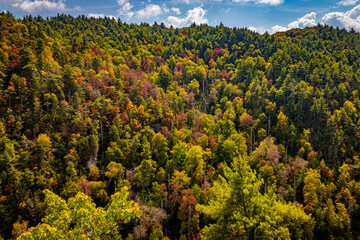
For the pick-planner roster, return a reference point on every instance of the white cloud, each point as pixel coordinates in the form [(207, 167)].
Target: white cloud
[(254, 29), (122, 2), (125, 9), (10, 1), (267, 2), (96, 15), (100, 15), (260, 30), (348, 2), (176, 10), (309, 20), (39, 5), (195, 15), (149, 11), (271, 2), (347, 20), (183, 1), (278, 28), (175, 21), (76, 8), (165, 9), (192, 2), (244, 1)]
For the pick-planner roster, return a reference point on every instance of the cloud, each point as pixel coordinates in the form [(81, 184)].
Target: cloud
[(176, 10), (100, 15), (125, 9), (266, 2), (165, 9), (175, 21), (348, 2), (347, 20), (122, 2), (254, 29), (39, 5), (309, 20), (10, 1), (192, 2), (195, 15), (149, 11), (271, 2), (258, 30), (76, 8), (278, 28), (183, 1), (96, 15)]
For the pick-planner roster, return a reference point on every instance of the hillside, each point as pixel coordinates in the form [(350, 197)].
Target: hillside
[(148, 132)]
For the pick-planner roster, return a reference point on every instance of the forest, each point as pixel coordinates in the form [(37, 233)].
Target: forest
[(111, 130)]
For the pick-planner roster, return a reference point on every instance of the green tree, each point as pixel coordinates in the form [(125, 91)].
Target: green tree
[(240, 210), (79, 218), (159, 149), (145, 173), (165, 78), (194, 163)]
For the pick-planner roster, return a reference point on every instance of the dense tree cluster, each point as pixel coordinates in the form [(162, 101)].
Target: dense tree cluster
[(111, 130)]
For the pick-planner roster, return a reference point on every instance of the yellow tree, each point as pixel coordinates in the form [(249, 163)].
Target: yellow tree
[(313, 188), (79, 218)]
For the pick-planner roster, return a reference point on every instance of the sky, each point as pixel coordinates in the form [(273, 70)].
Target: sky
[(257, 15)]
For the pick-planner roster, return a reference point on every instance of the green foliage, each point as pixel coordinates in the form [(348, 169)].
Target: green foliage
[(78, 218), (164, 78), (194, 163), (242, 211), (145, 173), (89, 106)]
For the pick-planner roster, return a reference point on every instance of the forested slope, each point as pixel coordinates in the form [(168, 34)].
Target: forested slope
[(148, 132)]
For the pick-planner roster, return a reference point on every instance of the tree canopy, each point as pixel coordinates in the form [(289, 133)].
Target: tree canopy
[(111, 130)]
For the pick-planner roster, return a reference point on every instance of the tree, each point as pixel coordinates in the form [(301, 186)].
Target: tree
[(165, 78), (313, 190), (45, 147), (115, 171), (232, 147), (194, 87), (282, 128), (240, 210), (228, 125), (145, 173), (159, 149), (246, 120), (113, 153), (297, 170), (188, 213), (201, 76), (194, 163), (78, 218), (268, 151)]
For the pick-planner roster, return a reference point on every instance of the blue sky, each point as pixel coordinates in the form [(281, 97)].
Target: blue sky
[(258, 15)]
